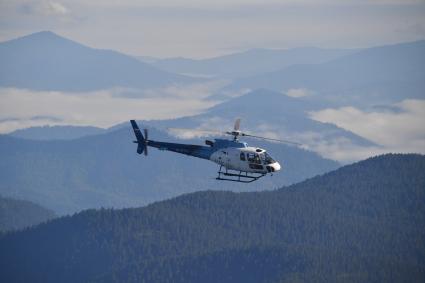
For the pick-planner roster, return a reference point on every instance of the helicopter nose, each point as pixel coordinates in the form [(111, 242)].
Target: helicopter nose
[(273, 167), (276, 166)]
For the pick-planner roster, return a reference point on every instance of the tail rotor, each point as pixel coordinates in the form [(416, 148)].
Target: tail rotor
[(145, 131), (142, 141)]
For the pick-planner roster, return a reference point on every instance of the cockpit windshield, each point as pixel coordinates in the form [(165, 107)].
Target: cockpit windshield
[(268, 159)]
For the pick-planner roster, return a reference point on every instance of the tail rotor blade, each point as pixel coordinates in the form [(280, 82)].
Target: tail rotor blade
[(201, 132), (237, 124), (145, 131)]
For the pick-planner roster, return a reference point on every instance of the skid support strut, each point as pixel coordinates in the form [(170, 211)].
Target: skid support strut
[(238, 176)]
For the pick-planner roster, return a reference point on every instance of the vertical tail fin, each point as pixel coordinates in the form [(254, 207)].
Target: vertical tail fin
[(141, 141)]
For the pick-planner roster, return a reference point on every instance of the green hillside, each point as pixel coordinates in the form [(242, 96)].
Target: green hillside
[(361, 223)]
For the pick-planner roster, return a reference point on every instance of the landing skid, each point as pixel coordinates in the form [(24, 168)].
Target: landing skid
[(241, 177)]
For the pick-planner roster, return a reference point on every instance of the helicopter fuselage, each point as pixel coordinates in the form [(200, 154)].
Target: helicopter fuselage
[(240, 157), (230, 154)]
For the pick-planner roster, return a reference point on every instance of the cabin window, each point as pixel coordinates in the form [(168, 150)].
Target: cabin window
[(243, 156), (254, 158)]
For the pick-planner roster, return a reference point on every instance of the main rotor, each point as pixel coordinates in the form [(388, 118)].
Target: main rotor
[(236, 133)]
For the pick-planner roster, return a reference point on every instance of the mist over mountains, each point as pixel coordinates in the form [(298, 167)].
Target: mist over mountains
[(72, 168), (371, 80), (262, 112), (288, 86)]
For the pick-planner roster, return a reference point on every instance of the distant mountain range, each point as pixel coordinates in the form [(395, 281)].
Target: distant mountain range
[(19, 214), (271, 114), (262, 111), (47, 61), (56, 132), (380, 75), (105, 171), (360, 223), (248, 63)]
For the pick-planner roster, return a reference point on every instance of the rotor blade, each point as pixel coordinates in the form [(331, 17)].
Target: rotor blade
[(237, 124), (270, 139), (201, 131)]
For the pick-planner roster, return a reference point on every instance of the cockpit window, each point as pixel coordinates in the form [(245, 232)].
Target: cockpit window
[(254, 158), (268, 159), (243, 156)]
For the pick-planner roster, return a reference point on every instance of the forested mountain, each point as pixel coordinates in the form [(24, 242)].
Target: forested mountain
[(360, 223), (105, 170), (18, 214), (47, 61)]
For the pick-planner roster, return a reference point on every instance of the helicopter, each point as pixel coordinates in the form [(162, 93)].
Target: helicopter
[(238, 161)]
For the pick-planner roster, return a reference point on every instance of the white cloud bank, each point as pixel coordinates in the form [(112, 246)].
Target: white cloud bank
[(42, 7), (401, 129), (298, 92), (25, 108)]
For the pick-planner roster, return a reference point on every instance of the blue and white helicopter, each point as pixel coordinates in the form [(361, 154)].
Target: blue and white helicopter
[(241, 162)]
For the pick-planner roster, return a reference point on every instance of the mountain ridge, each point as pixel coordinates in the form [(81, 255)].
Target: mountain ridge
[(56, 132), (47, 61), (387, 74), (249, 62)]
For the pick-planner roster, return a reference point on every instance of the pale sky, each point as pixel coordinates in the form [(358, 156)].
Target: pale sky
[(199, 29)]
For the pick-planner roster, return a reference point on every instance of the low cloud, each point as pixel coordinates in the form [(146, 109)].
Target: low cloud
[(184, 91), (43, 7), (337, 148), (55, 8), (298, 92), (398, 128), (208, 127), (18, 108), (341, 149)]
